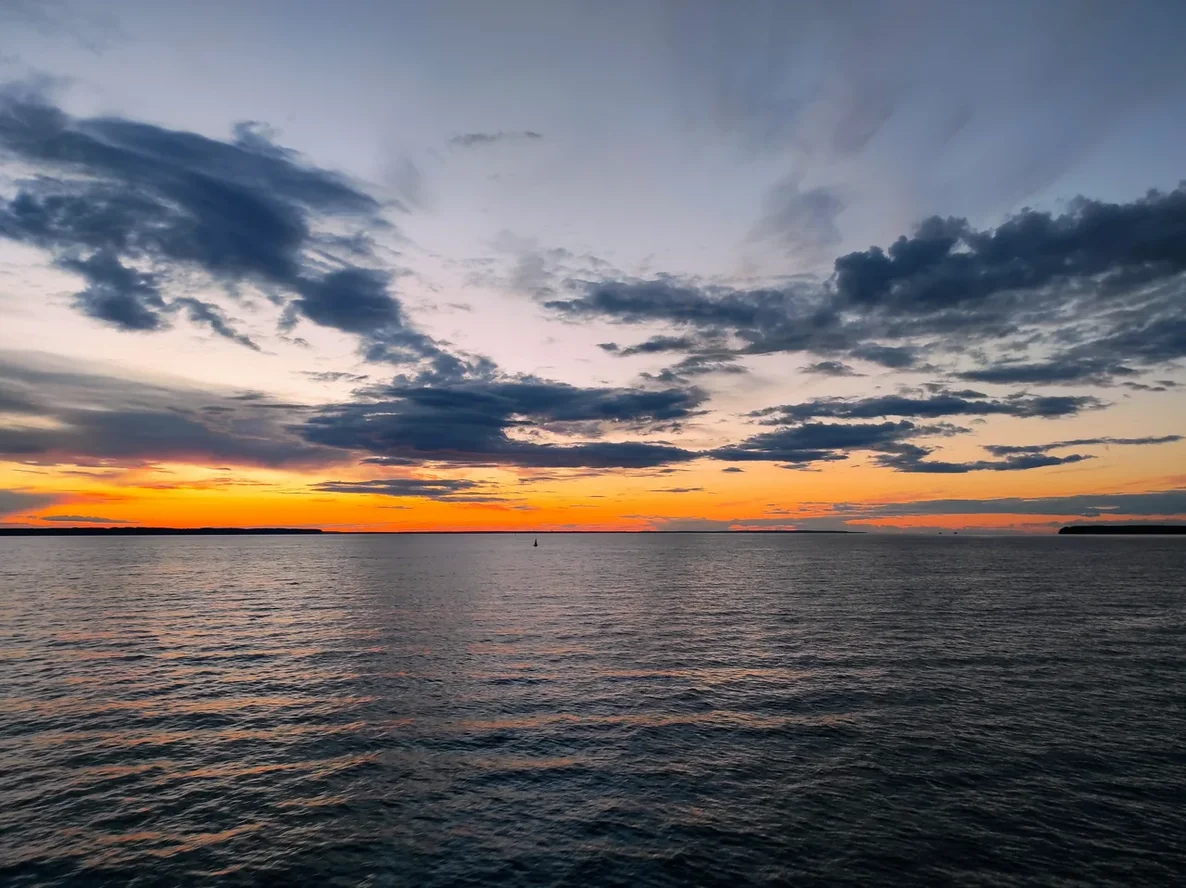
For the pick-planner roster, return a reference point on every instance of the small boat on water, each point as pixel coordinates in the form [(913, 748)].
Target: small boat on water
[(535, 544)]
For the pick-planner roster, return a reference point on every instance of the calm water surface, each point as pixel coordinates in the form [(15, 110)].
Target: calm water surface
[(601, 710)]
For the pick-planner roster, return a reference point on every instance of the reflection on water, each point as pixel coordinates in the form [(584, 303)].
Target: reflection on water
[(601, 709)]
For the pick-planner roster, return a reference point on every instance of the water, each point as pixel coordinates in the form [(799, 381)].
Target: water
[(601, 710)]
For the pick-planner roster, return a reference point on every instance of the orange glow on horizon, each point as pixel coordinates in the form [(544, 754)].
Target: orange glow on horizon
[(700, 494)]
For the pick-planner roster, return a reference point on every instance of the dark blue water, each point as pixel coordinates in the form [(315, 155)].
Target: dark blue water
[(601, 710)]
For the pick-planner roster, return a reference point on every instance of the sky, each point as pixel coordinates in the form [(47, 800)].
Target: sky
[(908, 266)]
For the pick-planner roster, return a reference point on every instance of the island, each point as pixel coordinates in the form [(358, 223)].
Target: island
[(1124, 529), (151, 531)]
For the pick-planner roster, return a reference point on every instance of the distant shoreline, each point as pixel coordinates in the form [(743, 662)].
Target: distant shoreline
[(154, 531), (281, 531), (1123, 529)]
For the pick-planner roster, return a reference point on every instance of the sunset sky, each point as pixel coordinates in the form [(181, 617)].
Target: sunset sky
[(622, 265)]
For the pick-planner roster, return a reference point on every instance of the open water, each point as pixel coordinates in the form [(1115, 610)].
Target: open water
[(600, 710)]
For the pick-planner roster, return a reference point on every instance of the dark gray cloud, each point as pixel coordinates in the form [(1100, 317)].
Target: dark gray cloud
[(654, 345), (64, 415), (699, 364), (479, 140), (94, 418), (122, 296), (215, 318), (895, 357), (1009, 449), (83, 519), (947, 263), (963, 403), (892, 445), (14, 501), (334, 376), (706, 356), (667, 299), (132, 208), (453, 490), (731, 469), (1160, 385), (830, 368), (356, 300), (1097, 291), (818, 442), (1067, 369), (911, 458), (497, 422)]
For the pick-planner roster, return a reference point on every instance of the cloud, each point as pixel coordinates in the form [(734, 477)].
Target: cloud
[(406, 179), (1160, 385), (134, 208), (892, 445), (671, 300), (83, 519), (911, 458), (830, 368), (13, 501), (63, 414), (212, 316), (732, 469), (334, 376), (895, 357), (1065, 369), (1008, 449), (700, 364), (356, 300), (802, 221), (498, 422), (947, 263), (456, 490), (1097, 291), (707, 357), (963, 403), (122, 296), (73, 415), (534, 270), (818, 442), (677, 490), (654, 345), (480, 140)]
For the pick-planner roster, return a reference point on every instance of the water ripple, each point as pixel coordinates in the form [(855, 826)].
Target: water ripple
[(602, 710)]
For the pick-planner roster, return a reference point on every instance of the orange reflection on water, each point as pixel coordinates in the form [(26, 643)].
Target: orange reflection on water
[(716, 718), (311, 767), (173, 843), (67, 706)]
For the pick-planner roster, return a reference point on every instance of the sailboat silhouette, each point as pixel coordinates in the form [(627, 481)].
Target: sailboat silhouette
[(536, 543)]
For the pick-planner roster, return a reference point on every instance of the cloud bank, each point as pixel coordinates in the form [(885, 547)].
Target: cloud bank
[(133, 209), (1094, 295)]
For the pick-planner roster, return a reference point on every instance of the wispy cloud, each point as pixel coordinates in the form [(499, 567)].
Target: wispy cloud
[(480, 140), (83, 519)]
